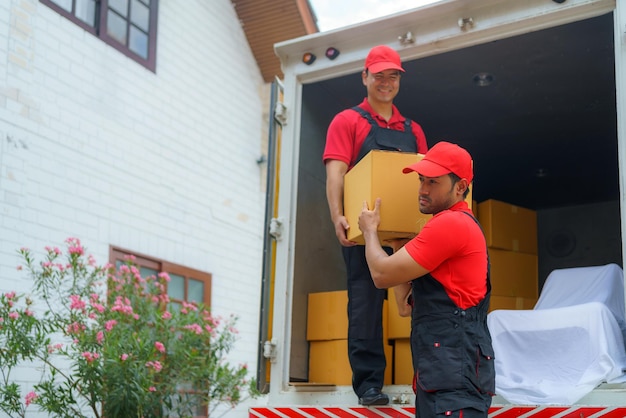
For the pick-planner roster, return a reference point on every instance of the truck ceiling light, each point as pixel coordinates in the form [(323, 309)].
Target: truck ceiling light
[(332, 53), (308, 58), (483, 79), (406, 39), (466, 23)]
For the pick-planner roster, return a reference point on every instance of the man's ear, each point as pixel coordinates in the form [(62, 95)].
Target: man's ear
[(462, 185)]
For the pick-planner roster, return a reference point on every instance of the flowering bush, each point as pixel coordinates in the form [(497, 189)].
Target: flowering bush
[(109, 343)]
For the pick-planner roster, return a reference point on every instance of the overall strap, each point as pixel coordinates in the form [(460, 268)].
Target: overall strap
[(367, 115)]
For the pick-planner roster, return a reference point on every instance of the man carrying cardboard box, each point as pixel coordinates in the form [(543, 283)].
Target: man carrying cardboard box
[(447, 269), (374, 124)]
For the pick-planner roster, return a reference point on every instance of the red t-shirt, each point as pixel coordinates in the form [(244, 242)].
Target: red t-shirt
[(452, 247), (348, 130)]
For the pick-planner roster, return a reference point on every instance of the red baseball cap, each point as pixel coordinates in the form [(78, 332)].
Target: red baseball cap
[(381, 58), (443, 158)]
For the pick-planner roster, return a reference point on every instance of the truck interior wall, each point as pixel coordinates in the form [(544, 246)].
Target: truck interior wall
[(543, 136), (319, 265), (578, 236)]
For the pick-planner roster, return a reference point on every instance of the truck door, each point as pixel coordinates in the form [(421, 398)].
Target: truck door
[(272, 231)]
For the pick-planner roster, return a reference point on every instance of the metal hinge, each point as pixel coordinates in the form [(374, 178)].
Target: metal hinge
[(276, 228), (280, 113), (269, 350)]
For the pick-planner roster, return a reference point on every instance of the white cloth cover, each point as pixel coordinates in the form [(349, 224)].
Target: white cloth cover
[(574, 286), (566, 346)]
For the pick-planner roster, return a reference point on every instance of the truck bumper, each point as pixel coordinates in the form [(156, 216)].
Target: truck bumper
[(505, 411)]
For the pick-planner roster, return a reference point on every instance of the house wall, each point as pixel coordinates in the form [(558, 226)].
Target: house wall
[(95, 146)]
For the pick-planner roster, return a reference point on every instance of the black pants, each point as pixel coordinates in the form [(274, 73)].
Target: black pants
[(451, 403), (365, 329)]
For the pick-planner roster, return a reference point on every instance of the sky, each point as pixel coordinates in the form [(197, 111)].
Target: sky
[(333, 14)]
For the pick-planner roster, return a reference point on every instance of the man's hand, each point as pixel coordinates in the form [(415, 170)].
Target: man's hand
[(341, 228), (369, 220)]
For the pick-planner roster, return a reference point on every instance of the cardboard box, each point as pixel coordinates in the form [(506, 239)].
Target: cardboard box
[(327, 333), (508, 227), (379, 174), (328, 362), (514, 274), (327, 316), (402, 362), (511, 303), (397, 326)]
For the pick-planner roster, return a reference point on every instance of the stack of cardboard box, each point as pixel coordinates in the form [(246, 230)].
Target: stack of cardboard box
[(327, 333), (511, 234)]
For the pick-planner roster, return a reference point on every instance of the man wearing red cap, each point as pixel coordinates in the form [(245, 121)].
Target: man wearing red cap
[(450, 341), (374, 124)]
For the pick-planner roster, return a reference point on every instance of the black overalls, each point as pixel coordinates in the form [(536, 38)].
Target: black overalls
[(452, 353), (365, 301)]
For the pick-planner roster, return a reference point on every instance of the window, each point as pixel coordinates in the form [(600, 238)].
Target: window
[(185, 284), (127, 25)]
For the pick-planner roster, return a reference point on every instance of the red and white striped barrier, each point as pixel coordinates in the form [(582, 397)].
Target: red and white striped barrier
[(408, 411)]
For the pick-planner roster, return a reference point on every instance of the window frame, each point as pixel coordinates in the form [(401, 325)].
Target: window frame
[(119, 254), (101, 22)]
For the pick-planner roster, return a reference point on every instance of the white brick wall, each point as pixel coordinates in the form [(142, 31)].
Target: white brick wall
[(95, 146)]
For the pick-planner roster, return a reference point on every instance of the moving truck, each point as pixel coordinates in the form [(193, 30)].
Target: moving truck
[(534, 89)]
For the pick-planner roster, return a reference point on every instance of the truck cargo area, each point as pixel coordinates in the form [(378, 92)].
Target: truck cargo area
[(538, 113)]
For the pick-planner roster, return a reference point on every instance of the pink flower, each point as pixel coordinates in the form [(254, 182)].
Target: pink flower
[(14, 315), (28, 312), (190, 306), (76, 302), (124, 356), (152, 389), (166, 315), (156, 365), (122, 305), (159, 346), (75, 328), (20, 268), (55, 347), (74, 246), (108, 325), (100, 337), (194, 327), (90, 357), (165, 276), (30, 397), (10, 295)]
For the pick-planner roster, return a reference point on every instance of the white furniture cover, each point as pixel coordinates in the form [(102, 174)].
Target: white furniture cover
[(572, 340)]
